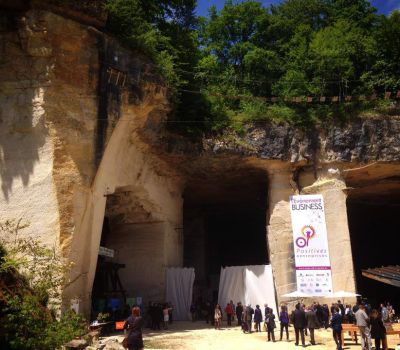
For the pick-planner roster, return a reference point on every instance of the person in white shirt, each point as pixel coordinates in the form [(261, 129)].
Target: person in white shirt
[(362, 320)]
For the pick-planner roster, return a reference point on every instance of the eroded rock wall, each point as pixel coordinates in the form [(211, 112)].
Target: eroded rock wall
[(71, 106), (80, 139), (361, 140)]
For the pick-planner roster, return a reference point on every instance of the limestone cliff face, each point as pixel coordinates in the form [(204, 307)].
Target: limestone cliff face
[(81, 138), (60, 101), (66, 90), (362, 140)]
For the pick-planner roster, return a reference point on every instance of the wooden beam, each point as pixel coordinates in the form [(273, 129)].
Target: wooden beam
[(386, 280)]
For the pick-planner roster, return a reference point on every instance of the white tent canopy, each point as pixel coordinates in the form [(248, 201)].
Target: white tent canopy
[(297, 294), (252, 284), (343, 294)]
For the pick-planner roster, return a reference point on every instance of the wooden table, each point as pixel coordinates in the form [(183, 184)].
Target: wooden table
[(391, 329), (352, 329)]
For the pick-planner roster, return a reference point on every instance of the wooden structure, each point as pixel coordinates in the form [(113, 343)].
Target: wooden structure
[(385, 274), (108, 282), (391, 329), (352, 330)]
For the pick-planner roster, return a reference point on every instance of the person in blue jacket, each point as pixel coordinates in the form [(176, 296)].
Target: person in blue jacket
[(336, 325)]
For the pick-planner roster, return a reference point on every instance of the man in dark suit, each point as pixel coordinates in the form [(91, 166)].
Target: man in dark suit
[(267, 309), (312, 323), (239, 311), (298, 319)]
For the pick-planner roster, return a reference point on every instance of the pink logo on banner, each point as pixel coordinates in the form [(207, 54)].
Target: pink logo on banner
[(308, 232)]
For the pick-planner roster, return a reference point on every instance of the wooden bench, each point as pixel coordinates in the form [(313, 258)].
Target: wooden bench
[(391, 329), (352, 329)]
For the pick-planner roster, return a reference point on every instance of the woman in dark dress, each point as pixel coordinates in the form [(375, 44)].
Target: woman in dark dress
[(378, 330), (134, 324)]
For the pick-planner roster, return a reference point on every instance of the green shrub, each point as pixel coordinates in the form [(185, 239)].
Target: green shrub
[(31, 278)]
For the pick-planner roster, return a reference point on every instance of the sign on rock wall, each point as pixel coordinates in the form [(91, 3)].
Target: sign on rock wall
[(313, 267)]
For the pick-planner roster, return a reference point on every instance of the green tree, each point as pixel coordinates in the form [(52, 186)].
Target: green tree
[(385, 72), (246, 50), (336, 51)]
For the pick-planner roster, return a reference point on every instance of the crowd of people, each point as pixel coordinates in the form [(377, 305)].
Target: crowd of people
[(305, 320), (159, 315)]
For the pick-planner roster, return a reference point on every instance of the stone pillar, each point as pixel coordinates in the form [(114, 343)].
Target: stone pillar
[(338, 231), (279, 233), (280, 239)]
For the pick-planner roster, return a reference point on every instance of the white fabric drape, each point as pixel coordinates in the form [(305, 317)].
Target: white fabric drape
[(252, 284), (259, 286), (179, 290), (231, 286)]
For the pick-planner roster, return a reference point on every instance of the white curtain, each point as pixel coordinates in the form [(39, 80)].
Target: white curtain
[(179, 290), (231, 286), (259, 286), (252, 284)]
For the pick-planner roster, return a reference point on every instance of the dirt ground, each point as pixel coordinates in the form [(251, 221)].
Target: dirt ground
[(200, 336)]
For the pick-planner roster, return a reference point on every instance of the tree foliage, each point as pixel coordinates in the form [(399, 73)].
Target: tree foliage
[(31, 279), (300, 47)]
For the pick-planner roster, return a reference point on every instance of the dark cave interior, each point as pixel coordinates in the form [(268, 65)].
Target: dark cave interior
[(225, 225), (374, 228)]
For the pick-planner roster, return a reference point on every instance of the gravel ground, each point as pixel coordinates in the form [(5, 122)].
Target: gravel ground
[(200, 336)]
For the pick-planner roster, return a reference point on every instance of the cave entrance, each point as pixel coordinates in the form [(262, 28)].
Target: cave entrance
[(224, 220), (134, 273), (373, 219)]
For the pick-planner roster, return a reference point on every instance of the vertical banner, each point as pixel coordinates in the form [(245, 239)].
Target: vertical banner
[(311, 251)]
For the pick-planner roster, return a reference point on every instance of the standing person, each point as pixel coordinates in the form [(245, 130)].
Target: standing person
[(284, 320), (356, 307), (134, 324), (233, 309), (368, 307), (384, 313), (341, 307), (270, 322), (257, 318), (336, 324), (348, 312), (312, 323), (217, 317), (211, 312), (391, 312), (248, 315), (152, 315), (156, 318), (378, 330), (239, 312), (303, 307), (166, 316), (193, 311), (229, 313), (362, 321), (267, 309), (298, 319), (325, 313), (320, 313), (170, 308)]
